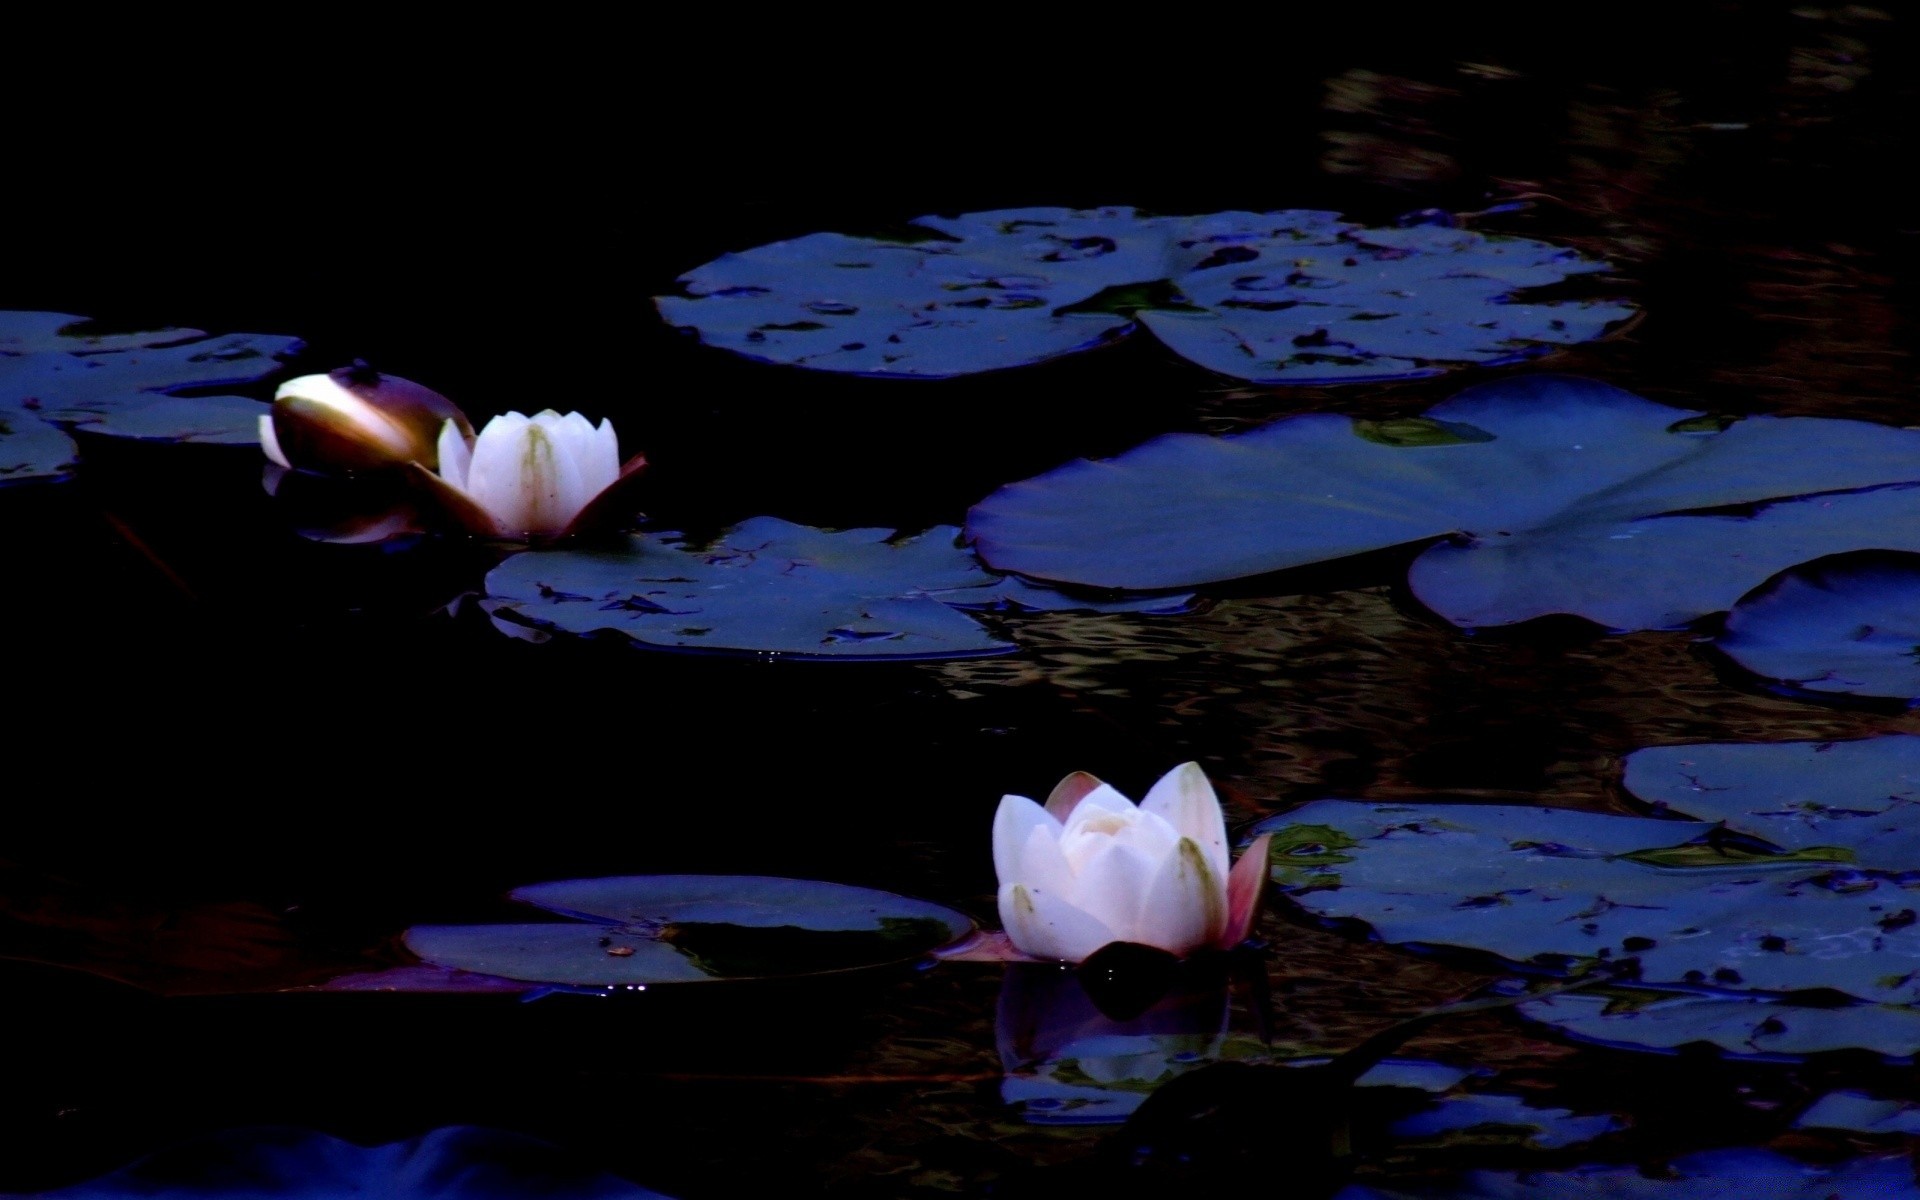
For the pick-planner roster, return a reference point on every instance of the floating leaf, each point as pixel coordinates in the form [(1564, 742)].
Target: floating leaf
[(641, 930), (1553, 888), (206, 420), (1858, 1112), (1282, 297), (459, 1162), (1846, 625), (1746, 1174), (1583, 499), (32, 451), (772, 587), (1494, 1119), (1740, 1026)]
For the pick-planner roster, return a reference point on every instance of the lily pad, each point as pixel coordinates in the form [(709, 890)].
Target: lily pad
[(1695, 903), (32, 451), (1556, 495), (642, 930), (1293, 296), (459, 1162), (204, 420), (1859, 1112), (769, 586), (1846, 625), (1714, 1175), (1760, 1027), (1497, 1119)]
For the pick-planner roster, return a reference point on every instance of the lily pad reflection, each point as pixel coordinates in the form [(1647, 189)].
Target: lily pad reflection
[(641, 930), (1556, 495), (1746, 1174), (772, 587), (1293, 296), (454, 1163), (1759, 1027), (1848, 625)]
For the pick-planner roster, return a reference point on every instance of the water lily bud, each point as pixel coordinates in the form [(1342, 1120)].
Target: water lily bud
[(356, 419), (1092, 868), (531, 475)]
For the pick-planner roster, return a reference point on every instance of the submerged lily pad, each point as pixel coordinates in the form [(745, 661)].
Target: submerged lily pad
[(769, 586), (459, 1162), (1762, 1027), (1846, 625), (1557, 495), (205, 420), (1745, 1174), (1694, 902), (641, 930), (54, 367), (1497, 1119), (1293, 296)]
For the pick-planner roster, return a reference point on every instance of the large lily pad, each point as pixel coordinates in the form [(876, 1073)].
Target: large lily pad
[(1283, 297), (642, 930), (1760, 1027), (459, 1162), (1715, 1175), (769, 586), (203, 420), (1558, 495), (1847, 625), (1693, 902)]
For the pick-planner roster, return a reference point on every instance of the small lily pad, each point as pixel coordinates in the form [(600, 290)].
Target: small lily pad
[(769, 586), (1566, 496), (1294, 296), (1858, 1112), (1496, 1119), (1694, 903), (1747, 1174), (204, 420), (1846, 625), (32, 451), (1761, 1027), (459, 1162), (642, 930)]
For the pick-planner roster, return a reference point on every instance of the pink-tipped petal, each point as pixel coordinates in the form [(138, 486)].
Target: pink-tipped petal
[(1245, 886), (1047, 926), (1185, 907), (1185, 799), (270, 444), (1013, 822), (1068, 793)]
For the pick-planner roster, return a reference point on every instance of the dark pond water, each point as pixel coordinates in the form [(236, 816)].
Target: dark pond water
[(245, 762)]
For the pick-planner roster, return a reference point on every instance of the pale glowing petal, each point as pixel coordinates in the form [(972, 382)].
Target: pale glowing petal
[(1042, 865), (1187, 801), (1186, 904), (1046, 926), (1112, 884), (271, 444), (455, 455), (1102, 799), (325, 398), (1013, 821), (1067, 794), (600, 460)]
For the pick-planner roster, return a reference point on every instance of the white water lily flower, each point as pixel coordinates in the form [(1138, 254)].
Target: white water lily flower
[(531, 475), (1091, 868), (355, 419)]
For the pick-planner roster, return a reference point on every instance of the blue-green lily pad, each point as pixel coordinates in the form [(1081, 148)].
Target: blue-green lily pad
[(1494, 1118), (1695, 903), (32, 451), (1761, 1027), (1292, 296), (1846, 625), (459, 1162), (642, 930), (1858, 1112), (769, 586), (1557, 495), (1714, 1175), (204, 420)]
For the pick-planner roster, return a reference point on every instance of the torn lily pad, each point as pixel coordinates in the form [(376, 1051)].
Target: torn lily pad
[(1760, 1027), (1746, 1174), (1293, 296), (1846, 625), (1695, 903), (1555, 494), (54, 367), (768, 586), (642, 930)]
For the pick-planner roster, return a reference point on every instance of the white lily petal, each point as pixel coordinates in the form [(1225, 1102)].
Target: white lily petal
[(1042, 866), (1101, 799), (1185, 798), (1013, 821), (1185, 907), (1047, 926), (456, 457), (270, 443), (1149, 835), (1112, 884), (349, 411), (600, 461)]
